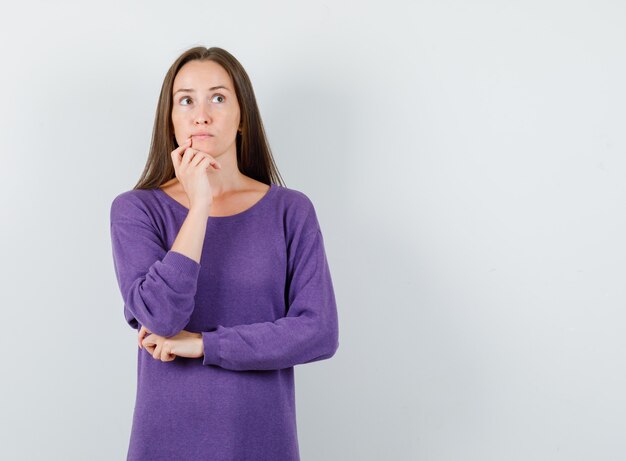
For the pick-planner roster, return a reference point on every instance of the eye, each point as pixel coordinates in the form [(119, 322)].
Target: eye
[(183, 98), (219, 96)]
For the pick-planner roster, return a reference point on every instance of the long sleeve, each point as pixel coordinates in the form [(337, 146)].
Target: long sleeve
[(309, 331), (158, 286)]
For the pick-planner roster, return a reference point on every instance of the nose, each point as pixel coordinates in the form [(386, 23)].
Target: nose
[(202, 115)]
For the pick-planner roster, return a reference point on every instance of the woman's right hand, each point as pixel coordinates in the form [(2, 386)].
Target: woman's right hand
[(191, 167)]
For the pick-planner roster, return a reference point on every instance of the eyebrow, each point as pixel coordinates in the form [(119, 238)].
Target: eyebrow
[(191, 90)]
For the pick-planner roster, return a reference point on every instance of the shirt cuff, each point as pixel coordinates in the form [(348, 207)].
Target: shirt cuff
[(182, 263), (211, 346)]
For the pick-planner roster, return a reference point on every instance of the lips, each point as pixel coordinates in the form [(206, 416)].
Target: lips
[(201, 135)]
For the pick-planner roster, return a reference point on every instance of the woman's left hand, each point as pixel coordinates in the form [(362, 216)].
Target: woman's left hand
[(184, 344)]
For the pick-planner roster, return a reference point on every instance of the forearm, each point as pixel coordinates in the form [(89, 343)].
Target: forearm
[(288, 341), (190, 238)]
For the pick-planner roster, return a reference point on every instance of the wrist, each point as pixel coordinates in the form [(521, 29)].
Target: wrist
[(200, 344)]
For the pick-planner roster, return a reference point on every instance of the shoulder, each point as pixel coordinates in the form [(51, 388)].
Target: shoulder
[(299, 214), (294, 199), (132, 204)]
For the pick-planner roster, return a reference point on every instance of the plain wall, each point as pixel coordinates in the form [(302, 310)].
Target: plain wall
[(467, 163)]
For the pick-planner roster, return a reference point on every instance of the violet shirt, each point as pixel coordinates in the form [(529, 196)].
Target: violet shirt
[(263, 299)]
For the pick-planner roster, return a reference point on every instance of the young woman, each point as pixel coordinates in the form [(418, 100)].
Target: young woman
[(222, 271)]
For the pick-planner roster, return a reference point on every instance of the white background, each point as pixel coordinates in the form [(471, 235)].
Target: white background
[(466, 160)]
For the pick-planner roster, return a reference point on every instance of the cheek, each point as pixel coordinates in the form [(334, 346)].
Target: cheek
[(234, 118), (178, 121)]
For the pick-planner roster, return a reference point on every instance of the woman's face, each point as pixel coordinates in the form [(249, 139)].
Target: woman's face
[(205, 107)]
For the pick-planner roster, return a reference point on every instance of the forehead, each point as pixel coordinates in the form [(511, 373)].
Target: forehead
[(201, 75)]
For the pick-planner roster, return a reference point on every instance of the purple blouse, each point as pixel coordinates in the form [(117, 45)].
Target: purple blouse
[(263, 300)]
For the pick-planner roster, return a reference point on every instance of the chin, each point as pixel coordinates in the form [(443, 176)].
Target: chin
[(203, 144)]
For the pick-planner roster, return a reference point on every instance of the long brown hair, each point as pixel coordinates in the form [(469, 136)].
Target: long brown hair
[(254, 157)]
